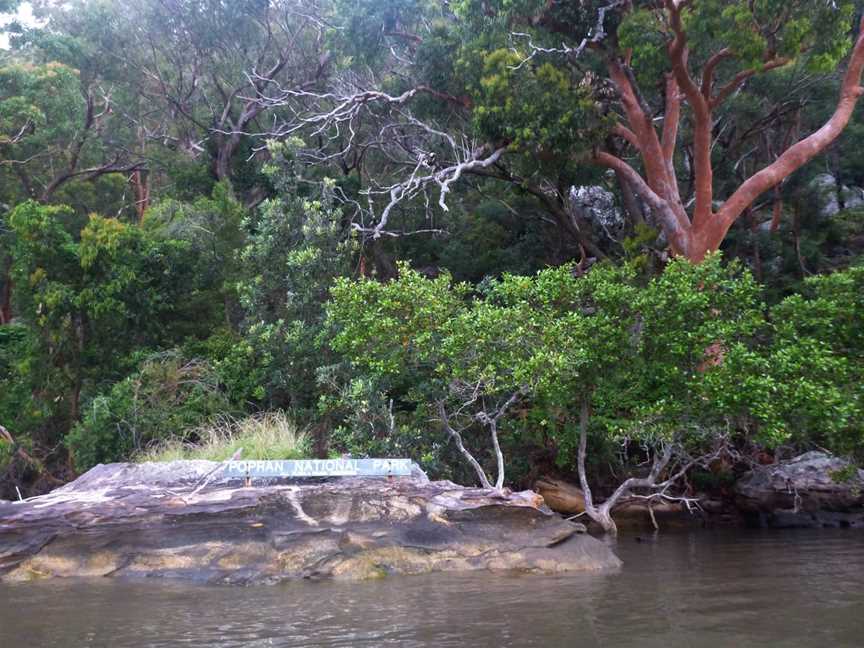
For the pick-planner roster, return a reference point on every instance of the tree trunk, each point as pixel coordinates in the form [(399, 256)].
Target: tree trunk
[(630, 201), (697, 235), (603, 517), (141, 186), (457, 438), (384, 265), (224, 154), (499, 456), (602, 514), (6, 294)]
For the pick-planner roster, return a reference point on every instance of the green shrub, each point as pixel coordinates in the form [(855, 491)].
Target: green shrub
[(238, 364), (168, 398), (6, 453), (19, 411)]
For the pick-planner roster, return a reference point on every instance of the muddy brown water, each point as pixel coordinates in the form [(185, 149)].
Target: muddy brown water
[(706, 589)]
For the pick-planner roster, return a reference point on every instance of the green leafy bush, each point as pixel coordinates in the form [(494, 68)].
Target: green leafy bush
[(296, 245), (816, 364), (6, 454), (647, 359), (169, 397)]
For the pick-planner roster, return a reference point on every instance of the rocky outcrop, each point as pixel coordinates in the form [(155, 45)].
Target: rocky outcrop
[(812, 490), (596, 205), (148, 520), (827, 196)]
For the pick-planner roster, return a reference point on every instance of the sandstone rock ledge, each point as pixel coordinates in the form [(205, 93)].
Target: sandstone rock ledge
[(813, 490), (127, 520)]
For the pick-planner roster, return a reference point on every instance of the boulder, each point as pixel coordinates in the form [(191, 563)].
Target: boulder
[(824, 189), (827, 196), (596, 205), (853, 197), (812, 490), (154, 520)]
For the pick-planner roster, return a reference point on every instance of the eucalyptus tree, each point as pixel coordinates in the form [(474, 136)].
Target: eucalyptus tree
[(193, 70), (61, 141), (397, 114), (710, 50), (526, 92), (55, 129)]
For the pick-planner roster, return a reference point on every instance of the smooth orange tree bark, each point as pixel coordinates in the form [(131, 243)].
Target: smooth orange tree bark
[(700, 231)]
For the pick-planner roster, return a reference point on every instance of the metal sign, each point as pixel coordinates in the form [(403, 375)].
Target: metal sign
[(319, 468)]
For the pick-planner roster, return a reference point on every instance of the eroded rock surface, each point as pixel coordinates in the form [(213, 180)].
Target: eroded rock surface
[(813, 490), (147, 520)]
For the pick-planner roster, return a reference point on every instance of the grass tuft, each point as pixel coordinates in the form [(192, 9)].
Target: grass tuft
[(269, 435)]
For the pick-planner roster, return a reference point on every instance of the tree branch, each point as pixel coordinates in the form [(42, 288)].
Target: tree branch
[(678, 57), (625, 133), (799, 154), (739, 79), (674, 225), (492, 423), (457, 438), (710, 67), (671, 120)]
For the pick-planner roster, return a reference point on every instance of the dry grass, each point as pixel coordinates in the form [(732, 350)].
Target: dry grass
[(270, 435)]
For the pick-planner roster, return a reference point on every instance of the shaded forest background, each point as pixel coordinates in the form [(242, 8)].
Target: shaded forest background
[(419, 229)]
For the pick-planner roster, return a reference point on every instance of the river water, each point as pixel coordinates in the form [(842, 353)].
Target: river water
[(706, 589)]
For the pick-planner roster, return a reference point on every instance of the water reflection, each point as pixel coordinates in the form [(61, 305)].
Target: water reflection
[(707, 589)]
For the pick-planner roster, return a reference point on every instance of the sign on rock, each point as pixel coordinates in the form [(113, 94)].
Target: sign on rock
[(319, 468)]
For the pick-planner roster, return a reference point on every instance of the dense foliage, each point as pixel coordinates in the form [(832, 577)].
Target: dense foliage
[(691, 354), (430, 229)]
